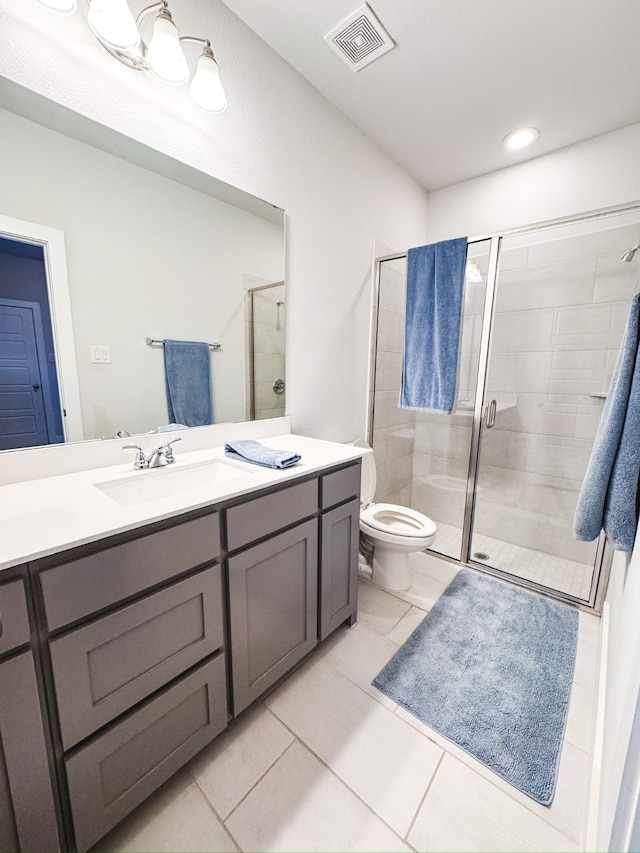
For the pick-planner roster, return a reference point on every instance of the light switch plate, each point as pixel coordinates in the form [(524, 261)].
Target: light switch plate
[(100, 354)]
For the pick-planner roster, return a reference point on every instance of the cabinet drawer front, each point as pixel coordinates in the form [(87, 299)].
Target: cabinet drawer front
[(114, 773), (260, 517), (83, 586), (273, 594), (101, 669), (14, 618), (340, 485)]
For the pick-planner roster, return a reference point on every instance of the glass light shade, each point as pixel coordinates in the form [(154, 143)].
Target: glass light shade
[(112, 21), (62, 7), (165, 56), (206, 89), (520, 138)]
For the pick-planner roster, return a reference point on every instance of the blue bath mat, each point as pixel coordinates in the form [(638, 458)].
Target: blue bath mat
[(491, 668)]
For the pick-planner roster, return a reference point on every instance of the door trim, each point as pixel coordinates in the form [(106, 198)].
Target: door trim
[(55, 263)]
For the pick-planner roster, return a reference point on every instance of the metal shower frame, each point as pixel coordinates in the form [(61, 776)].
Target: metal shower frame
[(602, 562)]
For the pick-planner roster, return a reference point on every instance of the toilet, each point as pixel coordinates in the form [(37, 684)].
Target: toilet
[(392, 532)]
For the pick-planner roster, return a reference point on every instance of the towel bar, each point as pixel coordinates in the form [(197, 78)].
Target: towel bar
[(160, 342)]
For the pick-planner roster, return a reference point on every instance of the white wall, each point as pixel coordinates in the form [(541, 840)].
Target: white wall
[(599, 173), (280, 140), (622, 686)]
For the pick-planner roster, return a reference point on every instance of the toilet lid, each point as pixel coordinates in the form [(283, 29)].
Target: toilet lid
[(401, 520)]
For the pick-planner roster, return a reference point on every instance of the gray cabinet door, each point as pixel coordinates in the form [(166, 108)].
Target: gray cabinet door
[(103, 668), (273, 592), (27, 812), (338, 566)]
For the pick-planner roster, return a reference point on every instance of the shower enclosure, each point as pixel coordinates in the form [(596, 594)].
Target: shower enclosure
[(265, 351), (544, 313)]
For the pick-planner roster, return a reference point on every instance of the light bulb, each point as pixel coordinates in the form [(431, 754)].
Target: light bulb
[(62, 7), (113, 23), (206, 89), (520, 138), (165, 56)]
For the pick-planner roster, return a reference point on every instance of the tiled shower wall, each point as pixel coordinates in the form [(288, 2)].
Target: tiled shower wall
[(561, 310), (394, 428), (561, 307)]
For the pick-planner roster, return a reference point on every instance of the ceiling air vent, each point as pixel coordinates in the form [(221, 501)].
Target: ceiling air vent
[(360, 38)]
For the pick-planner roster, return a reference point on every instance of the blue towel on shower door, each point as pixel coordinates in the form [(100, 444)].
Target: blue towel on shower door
[(188, 380), (607, 499), (435, 282)]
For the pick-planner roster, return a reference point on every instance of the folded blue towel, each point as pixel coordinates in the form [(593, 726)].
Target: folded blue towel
[(435, 282), (253, 451), (187, 367), (607, 499)]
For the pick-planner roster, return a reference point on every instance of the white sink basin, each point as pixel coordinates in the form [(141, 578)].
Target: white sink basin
[(156, 483)]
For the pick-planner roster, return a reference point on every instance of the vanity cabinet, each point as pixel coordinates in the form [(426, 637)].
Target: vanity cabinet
[(28, 819), (151, 639)]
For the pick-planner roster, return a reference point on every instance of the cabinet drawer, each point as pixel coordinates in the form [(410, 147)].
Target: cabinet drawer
[(340, 485), (114, 773), (101, 669), (88, 584), (263, 516), (14, 618)]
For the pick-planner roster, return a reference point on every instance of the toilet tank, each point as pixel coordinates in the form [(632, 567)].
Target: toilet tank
[(368, 477)]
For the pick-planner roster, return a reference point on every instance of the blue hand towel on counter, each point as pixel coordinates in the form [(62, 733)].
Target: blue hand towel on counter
[(607, 499), (248, 450), (435, 283), (188, 381)]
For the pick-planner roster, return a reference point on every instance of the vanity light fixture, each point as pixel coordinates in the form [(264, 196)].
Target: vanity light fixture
[(520, 138), (113, 24)]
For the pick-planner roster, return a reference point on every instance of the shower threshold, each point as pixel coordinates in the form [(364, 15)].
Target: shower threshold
[(555, 573)]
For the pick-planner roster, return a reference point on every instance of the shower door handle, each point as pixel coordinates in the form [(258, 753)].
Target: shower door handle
[(490, 419)]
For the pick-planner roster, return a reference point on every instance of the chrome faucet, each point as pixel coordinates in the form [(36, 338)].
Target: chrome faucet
[(162, 455)]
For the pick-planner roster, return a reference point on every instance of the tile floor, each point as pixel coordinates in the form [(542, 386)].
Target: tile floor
[(548, 570), (326, 762)]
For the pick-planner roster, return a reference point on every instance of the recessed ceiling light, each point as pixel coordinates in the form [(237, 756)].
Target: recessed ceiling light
[(520, 138)]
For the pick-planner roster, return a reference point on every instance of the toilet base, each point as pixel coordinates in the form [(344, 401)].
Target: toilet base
[(391, 569)]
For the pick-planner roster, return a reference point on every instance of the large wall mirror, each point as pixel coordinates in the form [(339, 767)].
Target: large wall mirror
[(107, 249)]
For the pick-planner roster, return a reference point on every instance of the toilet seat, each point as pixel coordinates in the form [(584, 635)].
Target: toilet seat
[(397, 520)]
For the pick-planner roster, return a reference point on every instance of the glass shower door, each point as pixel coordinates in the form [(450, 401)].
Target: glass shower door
[(560, 307)]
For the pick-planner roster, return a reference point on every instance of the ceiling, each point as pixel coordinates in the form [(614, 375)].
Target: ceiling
[(464, 73)]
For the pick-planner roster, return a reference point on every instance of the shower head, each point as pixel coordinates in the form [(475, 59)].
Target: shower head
[(628, 255)]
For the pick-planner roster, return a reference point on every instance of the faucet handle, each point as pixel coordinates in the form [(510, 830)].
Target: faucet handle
[(140, 460), (168, 453)]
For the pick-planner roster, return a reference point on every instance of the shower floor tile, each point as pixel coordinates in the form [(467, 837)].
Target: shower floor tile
[(556, 573)]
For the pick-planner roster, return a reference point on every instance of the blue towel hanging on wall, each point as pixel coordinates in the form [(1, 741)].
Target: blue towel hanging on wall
[(607, 499), (187, 367), (435, 283)]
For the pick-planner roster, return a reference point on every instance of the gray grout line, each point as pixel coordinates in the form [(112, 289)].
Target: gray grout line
[(424, 797), (257, 782)]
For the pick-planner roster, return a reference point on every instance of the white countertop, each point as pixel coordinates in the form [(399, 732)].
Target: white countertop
[(41, 517)]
